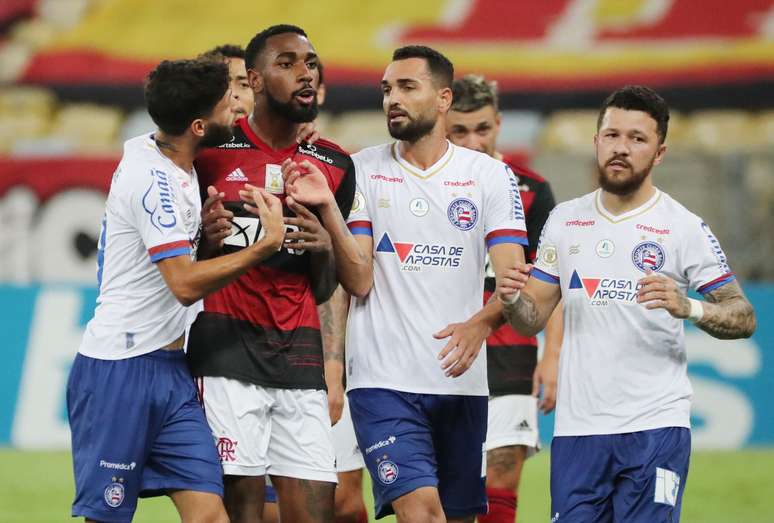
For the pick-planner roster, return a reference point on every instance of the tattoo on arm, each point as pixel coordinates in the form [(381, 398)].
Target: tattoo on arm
[(332, 323), (727, 313), (523, 315)]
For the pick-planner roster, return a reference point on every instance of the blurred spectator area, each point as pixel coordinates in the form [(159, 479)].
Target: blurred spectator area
[(720, 161)]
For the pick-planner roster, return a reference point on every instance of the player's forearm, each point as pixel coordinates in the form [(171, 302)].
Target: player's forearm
[(554, 332), (193, 281), (333, 318), (323, 275), (525, 316), (727, 313), (353, 268)]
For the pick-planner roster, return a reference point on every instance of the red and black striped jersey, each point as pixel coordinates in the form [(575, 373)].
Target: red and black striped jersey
[(263, 327), (511, 357)]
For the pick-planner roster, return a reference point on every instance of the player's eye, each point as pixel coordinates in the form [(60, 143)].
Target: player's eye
[(285, 65), (245, 85), (311, 65)]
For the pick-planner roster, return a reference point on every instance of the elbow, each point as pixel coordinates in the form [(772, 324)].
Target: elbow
[(360, 288), (752, 324), (185, 295)]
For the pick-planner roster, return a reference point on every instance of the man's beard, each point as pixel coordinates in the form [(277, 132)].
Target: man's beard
[(291, 112), (622, 186), (412, 130), (216, 134)]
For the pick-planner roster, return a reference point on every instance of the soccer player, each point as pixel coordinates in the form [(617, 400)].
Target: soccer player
[(424, 216), (234, 57), (622, 259), (256, 347), (512, 434), (137, 427)]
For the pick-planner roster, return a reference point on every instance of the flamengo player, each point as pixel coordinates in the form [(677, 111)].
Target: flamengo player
[(257, 344), (512, 433), (137, 427), (426, 213), (622, 436)]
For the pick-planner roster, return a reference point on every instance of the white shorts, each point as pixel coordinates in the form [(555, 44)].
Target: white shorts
[(348, 456), (513, 421), (262, 430)]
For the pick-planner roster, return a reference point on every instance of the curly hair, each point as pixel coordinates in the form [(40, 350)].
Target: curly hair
[(472, 92)]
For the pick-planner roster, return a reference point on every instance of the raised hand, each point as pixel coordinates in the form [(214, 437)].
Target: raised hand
[(310, 234), (307, 133), (306, 184), (216, 220), (268, 208)]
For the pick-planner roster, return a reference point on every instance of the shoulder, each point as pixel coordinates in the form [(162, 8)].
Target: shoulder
[(140, 158), (326, 152), (525, 174), (374, 153), (677, 212), (576, 209)]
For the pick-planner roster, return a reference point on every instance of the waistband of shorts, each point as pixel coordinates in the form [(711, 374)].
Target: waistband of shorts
[(165, 354)]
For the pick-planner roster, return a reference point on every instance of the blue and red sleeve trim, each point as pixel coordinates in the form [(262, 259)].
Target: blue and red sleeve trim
[(544, 276), (506, 236), (361, 227), (717, 282), (170, 250)]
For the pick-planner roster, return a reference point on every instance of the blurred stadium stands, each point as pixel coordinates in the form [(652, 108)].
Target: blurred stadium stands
[(71, 72)]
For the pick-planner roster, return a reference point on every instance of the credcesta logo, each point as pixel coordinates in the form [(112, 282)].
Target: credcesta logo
[(415, 257)]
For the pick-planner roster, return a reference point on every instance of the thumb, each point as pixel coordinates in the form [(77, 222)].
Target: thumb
[(648, 271), (444, 333), (211, 190)]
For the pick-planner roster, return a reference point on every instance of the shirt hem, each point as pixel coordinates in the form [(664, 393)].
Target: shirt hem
[(622, 430), (419, 390)]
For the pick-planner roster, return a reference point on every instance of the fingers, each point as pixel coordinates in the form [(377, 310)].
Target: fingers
[(300, 210), (444, 333), (214, 197), (536, 381)]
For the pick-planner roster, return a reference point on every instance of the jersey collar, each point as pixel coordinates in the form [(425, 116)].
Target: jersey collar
[(416, 171), (613, 218)]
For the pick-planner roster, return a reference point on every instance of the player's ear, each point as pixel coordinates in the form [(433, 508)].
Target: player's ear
[(255, 80), (197, 127), (660, 154), (445, 99)]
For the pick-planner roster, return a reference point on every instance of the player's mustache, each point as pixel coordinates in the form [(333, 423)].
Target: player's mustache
[(618, 158), (306, 89)]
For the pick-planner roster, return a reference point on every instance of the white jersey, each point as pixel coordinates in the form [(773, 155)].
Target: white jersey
[(152, 213), (623, 367), (431, 231)]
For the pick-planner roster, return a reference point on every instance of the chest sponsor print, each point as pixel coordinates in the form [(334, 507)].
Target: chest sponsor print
[(603, 291)]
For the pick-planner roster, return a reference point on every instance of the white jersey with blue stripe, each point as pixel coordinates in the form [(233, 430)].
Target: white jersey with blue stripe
[(623, 368), (431, 231), (152, 213)]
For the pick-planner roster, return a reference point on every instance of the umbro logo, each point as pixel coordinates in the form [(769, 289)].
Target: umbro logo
[(236, 176)]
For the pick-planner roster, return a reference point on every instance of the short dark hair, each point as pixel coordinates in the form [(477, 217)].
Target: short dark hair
[(639, 98), (441, 68), (224, 51), (473, 92), (177, 92), (258, 43)]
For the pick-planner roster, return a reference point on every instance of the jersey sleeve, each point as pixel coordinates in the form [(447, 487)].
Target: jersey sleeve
[(156, 215), (504, 212), (704, 263), (546, 266), (345, 193), (542, 206), (359, 220)]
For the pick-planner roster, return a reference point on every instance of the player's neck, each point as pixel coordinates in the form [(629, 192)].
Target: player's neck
[(426, 151), (180, 149), (617, 204), (274, 131)]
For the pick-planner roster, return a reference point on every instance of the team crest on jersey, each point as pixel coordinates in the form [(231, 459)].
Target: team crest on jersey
[(648, 255), (388, 472), (463, 214), (114, 492), (414, 257), (602, 291)]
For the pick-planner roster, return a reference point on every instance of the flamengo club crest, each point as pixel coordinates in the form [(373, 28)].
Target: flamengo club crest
[(648, 255), (114, 492), (463, 214)]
